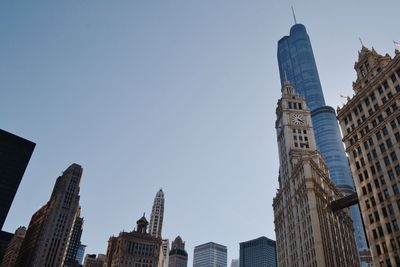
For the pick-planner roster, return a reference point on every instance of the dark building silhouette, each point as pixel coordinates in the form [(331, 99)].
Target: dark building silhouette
[(74, 242), (15, 153), (260, 252)]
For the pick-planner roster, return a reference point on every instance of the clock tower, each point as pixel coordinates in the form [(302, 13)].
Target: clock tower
[(307, 232)]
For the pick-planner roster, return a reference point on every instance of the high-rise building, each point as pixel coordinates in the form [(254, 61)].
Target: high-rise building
[(15, 153), (11, 254), (50, 229), (178, 256), (157, 215), (297, 65), (136, 248), (235, 263), (210, 255), (164, 254), (307, 232), (260, 252), (370, 122), (74, 242), (80, 253)]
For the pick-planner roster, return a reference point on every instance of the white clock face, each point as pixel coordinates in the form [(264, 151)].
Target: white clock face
[(298, 119)]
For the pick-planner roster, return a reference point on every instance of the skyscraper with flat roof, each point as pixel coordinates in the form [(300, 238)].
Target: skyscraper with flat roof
[(210, 255), (259, 252), (297, 65)]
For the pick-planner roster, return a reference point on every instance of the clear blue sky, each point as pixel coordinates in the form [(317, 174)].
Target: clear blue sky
[(173, 94)]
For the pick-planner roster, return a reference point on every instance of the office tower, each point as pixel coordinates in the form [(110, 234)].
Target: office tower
[(80, 253), (92, 261), (235, 263), (164, 254), (15, 153), (210, 255), (136, 248), (307, 232), (178, 256), (74, 241), (260, 252), (157, 215), (370, 122), (297, 65), (49, 231), (11, 253)]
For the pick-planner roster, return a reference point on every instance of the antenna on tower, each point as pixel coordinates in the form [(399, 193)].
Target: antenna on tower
[(359, 38), (294, 15)]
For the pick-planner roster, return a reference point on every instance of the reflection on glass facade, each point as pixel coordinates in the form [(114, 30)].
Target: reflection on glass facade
[(297, 65), (260, 252)]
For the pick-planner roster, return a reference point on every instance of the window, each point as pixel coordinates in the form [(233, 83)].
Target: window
[(393, 124), (378, 136), (389, 228), (385, 85), (374, 233), (389, 143), (382, 147), (384, 212), (384, 131), (386, 193), (395, 189), (393, 156), (386, 160)]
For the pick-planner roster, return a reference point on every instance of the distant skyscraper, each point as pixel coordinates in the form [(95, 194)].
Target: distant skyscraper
[(370, 122), (210, 255), (297, 65), (308, 233), (164, 255), (178, 256), (235, 263), (157, 215), (136, 248), (50, 229), (13, 248), (260, 252), (80, 253), (15, 153), (74, 241)]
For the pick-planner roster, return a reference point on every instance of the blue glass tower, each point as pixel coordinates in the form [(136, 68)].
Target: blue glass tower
[(297, 65)]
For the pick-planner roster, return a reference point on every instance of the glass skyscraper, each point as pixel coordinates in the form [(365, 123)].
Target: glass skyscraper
[(210, 255), (260, 252), (297, 65)]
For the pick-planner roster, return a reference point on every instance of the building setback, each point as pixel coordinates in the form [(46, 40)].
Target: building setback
[(307, 232), (178, 256), (136, 248), (370, 122), (260, 252), (297, 65), (49, 231), (210, 255)]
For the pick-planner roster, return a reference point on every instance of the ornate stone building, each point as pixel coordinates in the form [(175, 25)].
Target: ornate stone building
[(178, 256), (49, 231), (136, 248), (308, 233), (11, 253), (370, 122)]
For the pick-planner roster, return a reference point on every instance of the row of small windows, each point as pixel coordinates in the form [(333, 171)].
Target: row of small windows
[(374, 123), (295, 105)]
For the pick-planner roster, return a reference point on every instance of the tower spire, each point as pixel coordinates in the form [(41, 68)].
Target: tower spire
[(294, 15)]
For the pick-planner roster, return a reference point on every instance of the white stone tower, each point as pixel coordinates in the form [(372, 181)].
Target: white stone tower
[(308, 233), (157, 215)]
